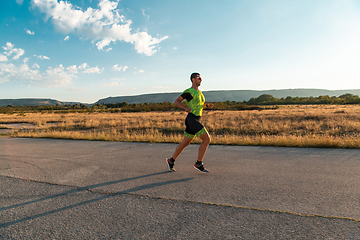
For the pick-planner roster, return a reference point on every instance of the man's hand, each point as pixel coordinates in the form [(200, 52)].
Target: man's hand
[(188, 110), (208, 105)]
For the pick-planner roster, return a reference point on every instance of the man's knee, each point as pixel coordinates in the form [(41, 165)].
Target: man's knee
[(206, 138)]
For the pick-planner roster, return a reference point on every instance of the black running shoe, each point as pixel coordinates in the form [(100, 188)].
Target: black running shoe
[(200, 167), (170, 165)]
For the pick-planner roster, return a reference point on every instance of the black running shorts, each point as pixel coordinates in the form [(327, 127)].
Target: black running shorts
[(193, 126)]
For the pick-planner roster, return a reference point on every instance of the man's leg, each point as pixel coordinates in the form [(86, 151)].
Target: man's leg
[(205, 138), (185, 142), (171, 161)]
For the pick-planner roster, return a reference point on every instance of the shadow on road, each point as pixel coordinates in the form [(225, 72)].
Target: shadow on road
[(87, 188)]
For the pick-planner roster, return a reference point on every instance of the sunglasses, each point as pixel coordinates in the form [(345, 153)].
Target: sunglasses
[(198, 78)]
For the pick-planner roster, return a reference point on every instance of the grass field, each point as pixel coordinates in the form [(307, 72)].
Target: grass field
[(332, 126)]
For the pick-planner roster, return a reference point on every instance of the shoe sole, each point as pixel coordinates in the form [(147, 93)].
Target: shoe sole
[(200, 170), (170, 169)]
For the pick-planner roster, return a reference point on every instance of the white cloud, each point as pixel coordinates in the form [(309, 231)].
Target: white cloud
[(8, 68), (66, 38), (116, 68), (29, 32), (144, 43), (36, 66), (143, 12), (92, 70), (9, 50), (56, 77), (83, 66), (72, 69), (86, 69), (138, 71), (109, 49), (3, 58), (104, 25), (5, 70), (175, 48), (42, 57), (51, 78), (24, 67)]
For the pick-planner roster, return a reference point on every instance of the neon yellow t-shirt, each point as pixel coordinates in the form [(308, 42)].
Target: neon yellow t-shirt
[(195, 100)]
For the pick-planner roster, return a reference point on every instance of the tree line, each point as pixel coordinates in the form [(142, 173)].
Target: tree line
[(267, 99), (262, 102)]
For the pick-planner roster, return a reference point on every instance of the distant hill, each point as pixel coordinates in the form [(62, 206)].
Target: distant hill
[(211, 96), (33, 102), (231, 95)]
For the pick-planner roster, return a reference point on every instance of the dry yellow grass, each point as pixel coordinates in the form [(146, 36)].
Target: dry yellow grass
[(334, 126)]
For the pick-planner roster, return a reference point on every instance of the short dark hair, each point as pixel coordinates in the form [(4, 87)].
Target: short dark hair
[(193, 75)]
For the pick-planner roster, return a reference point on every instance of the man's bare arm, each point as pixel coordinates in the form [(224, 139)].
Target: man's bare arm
[(180, 105)]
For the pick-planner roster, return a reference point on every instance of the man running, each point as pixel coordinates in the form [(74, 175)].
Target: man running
[(195, 104)]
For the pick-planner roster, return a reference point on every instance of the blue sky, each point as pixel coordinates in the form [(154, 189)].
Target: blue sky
[(84, 50)]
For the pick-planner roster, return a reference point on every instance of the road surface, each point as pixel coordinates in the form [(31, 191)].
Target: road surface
[(66, 189)]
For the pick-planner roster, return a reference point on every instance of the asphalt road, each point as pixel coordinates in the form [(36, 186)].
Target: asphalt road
[(66, 189)]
